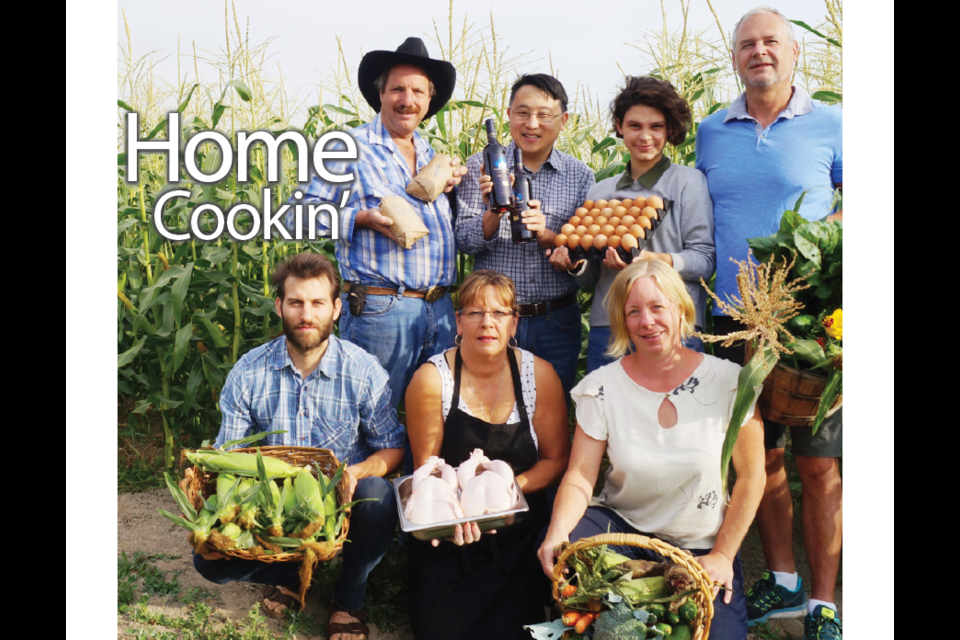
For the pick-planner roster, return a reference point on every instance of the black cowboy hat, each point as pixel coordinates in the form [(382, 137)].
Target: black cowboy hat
[(412, 52)]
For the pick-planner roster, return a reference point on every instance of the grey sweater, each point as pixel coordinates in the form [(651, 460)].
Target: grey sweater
[(686, 234)]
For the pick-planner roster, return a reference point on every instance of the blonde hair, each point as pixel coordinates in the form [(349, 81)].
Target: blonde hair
[(474, 286), (670, 284)]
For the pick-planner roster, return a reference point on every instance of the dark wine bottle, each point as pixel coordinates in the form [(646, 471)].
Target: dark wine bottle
[(497, 167), (521, 195)]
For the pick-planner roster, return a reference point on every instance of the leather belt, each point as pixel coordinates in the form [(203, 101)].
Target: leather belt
[(430, 295), (540, 308)]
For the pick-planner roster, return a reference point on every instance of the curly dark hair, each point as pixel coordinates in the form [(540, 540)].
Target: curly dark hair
[(659, 94)]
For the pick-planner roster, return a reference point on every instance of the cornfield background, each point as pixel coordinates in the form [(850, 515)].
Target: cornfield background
[(187, 311)]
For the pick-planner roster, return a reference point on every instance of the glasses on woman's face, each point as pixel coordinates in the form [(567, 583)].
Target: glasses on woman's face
[(476, 315)]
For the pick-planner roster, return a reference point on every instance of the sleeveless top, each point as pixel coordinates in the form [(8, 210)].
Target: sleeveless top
[(527, 385)]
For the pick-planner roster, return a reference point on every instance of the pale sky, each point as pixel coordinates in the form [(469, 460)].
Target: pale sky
[(586, 39)]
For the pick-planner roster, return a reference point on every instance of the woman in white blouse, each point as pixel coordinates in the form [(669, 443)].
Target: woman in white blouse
[(660, 411)]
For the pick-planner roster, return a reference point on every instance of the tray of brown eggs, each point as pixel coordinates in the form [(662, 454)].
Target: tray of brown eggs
[(625, 225)]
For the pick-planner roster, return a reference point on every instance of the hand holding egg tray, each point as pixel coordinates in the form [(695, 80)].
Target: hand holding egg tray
[(627, 226)]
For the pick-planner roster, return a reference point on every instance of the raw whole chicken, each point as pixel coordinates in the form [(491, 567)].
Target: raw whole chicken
[(434, 496), (485, 486)]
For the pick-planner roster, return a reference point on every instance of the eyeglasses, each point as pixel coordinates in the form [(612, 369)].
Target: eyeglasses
[(542, 118), (476, 315)]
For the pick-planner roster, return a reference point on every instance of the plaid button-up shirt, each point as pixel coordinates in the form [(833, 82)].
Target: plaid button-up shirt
[(365, 255), (561, 185), (344, 405)]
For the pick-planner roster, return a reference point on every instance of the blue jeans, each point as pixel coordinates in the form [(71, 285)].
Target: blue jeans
[(729, 620), (599, 340), (555, 337), (372, 525), (403, 333)]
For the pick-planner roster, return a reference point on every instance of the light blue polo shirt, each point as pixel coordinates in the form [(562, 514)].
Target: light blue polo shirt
[(756, 174)]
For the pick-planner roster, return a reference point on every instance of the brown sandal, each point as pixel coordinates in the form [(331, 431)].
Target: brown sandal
[(358, 628), (274, 594)]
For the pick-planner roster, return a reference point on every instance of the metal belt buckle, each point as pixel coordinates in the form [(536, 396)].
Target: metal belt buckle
[(434, 294)]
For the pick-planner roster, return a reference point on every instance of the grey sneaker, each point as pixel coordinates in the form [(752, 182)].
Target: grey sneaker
[(767, 600), (822, 624)]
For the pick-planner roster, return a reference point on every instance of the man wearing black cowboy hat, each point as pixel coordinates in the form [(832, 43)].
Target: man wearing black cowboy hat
[(399, 299)]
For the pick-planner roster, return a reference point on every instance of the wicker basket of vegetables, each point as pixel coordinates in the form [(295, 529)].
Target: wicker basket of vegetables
[(604, 590), (267, 504)]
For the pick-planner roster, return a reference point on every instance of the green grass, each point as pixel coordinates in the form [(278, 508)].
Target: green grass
[(139, 474), (764, 632), (138, 576)]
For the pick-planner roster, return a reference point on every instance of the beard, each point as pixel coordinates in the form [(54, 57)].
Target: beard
[(306, 342), (764, 81)]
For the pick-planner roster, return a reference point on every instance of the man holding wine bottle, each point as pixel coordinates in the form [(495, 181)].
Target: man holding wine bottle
[(511, 229)]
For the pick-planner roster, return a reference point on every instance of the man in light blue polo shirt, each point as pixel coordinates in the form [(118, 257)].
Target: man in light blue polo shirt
[(759, 155)]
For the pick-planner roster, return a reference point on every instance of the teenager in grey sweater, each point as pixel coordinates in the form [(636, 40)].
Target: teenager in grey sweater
[(647, 114)]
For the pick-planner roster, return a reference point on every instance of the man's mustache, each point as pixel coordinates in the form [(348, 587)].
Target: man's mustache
[(407, 110)]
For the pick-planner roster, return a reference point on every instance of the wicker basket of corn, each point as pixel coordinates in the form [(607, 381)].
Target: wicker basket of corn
[(699, 591), (266, 504)]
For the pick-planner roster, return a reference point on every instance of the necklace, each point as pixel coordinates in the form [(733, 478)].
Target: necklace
[(488, 416)]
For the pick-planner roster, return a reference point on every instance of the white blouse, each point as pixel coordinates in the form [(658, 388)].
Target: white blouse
[(527, 386), (664, 482)]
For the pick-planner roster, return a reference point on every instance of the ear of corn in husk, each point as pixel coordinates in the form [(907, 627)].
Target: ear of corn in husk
[(240, 464), (199, 523), (309, 508)]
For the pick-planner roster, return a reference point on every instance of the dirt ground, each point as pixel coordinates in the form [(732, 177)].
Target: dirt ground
[(142, 528)]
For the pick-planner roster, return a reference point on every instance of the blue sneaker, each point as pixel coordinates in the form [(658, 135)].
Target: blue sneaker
[(767, 600), (822, 624)]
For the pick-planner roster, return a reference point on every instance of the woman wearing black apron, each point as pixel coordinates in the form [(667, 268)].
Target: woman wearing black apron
[(476, 587)]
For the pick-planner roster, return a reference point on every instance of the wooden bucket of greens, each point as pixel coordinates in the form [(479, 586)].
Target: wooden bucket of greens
[(606, 590)]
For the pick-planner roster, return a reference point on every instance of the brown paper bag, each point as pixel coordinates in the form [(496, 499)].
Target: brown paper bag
[(432, 179), (407, 225)]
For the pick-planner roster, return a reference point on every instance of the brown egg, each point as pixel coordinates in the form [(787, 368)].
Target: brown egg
[(634, 211), (593, 229), (588, 204), (600, 242), (640, 202), (576, 221), (655, 201), (586, 242), (613, 204), (594, 212), (614, 241), (626, 204), (580, 230), (620, 211), (600, 220), (608, 230), (573, 241), (607, 212), (614, 221), (600, 204), (628, 220), (622, 231), (581, 212), (637, 231), (644, 222), (649, 212), (567, 229), (587, 221), (560, 240), (629, 242)]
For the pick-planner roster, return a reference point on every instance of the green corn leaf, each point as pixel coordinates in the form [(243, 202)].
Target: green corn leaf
[(213, 330), (218, 111), (227, 501), (177, 520), (193, 384), (127, 357), (749, 384), (156, 130), (186, 508), (186, 101), (179, 292), (830, 392), (243, 90), (815, 32), (827, 96), (180, 346), (249, 439), (808, 350), (124, 105), (603, 144)]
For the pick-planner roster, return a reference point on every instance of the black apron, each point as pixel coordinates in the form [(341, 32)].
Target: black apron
[(491, 588)]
